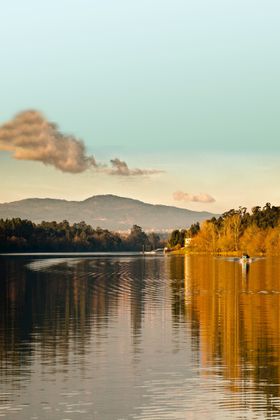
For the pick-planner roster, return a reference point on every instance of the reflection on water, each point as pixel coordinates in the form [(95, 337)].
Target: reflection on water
[(139, 338)]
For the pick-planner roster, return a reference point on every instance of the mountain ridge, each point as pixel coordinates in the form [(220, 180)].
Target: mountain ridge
[(106, 211)]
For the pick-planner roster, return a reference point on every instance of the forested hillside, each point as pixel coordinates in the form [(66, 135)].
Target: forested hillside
[(255, 232)]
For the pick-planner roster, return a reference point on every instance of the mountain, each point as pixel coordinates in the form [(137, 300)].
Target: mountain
[(106, 211)]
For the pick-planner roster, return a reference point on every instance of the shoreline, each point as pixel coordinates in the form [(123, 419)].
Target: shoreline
[(184, 251)]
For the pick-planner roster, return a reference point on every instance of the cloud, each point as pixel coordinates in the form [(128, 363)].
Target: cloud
[(29, 136), (121, 168), (199, 198)]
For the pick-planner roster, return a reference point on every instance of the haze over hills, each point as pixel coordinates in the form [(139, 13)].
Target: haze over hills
[(106, 211)]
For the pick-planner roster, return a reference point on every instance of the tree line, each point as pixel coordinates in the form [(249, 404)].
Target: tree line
[(255, 232), (17, 235)]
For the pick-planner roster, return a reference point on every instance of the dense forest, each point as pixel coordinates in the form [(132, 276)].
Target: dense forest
[(255, 232), (17, 235), (239, 231)]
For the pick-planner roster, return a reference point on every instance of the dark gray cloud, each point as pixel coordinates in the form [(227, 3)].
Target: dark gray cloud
[(199, 198)]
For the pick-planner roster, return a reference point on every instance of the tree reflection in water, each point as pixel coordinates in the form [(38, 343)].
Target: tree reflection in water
[(233, 313), (228, 314)]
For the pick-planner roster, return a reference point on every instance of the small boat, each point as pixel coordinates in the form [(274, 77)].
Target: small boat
[(245, 259)]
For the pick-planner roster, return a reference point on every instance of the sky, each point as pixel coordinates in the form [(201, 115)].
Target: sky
[(186, 91)]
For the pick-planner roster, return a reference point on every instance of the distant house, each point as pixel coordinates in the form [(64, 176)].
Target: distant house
[(188, 241)]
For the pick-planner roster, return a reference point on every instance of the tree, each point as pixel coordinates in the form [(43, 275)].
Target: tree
[(193, 230), (137, 239), (154, 240)]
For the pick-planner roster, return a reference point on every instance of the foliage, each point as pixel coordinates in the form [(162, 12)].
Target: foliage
[(18, 235), (193, 230), (257, 232), (177, 238)]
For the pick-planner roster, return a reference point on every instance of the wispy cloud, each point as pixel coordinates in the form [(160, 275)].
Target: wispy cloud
[(199, 198), (121, 168), (29, 136)]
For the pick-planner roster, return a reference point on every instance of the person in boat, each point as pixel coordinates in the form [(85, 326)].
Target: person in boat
[(245, 258)]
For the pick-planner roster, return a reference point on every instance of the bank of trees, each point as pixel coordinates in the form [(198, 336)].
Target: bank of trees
[(255, 232), (17, 235)]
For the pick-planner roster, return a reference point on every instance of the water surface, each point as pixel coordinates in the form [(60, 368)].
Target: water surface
[(133, 337)]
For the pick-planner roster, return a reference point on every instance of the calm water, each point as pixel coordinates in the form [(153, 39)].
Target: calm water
[(130, 337)]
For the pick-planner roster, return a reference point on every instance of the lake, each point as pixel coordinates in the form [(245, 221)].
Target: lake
[(134, 337)]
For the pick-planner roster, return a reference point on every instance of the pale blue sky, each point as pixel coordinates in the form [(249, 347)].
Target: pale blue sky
[(191, 87)]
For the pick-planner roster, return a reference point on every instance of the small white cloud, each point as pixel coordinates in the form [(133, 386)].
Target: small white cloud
[(199, 198)]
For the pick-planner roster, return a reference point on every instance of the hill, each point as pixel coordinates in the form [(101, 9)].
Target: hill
[(106, 211)]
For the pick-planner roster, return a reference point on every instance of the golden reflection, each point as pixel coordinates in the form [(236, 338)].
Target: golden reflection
[(233, 312)]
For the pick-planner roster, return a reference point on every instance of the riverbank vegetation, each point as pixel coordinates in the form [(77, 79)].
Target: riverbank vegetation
[(17, 235), (234, 232)]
